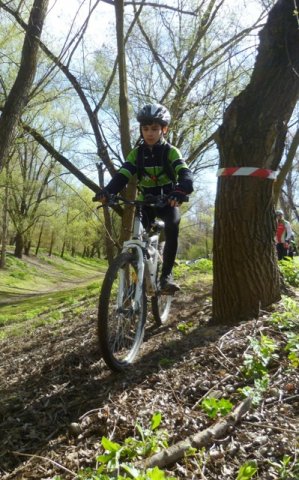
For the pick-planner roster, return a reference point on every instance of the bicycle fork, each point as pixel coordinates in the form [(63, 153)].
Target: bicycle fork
[(137, 249)]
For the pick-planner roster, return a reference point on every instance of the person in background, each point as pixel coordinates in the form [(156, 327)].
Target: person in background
[(160, 170), (283, 235), (292, 247)]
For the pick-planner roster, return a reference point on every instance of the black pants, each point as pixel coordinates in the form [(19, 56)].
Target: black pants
[(281, 251), (171, 217)]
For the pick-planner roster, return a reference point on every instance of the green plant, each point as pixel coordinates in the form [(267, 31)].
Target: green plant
[(256, 392), (247, 471), (289, 271), (116, 459), (20, 275), (150, 474), (202, 265), (289, 317), (93, 286), (255, 364), (286, 469), (185, 327), (292, 347), (214, 406), (288, 320), (53, 316), (166, 362)]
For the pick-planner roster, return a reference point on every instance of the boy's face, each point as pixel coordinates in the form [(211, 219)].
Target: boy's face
[(152, 133)]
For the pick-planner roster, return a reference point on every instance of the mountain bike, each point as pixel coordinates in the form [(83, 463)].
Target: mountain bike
[(132, 279)]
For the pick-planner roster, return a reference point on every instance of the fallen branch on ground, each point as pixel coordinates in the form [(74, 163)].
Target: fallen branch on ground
[(174, 453)]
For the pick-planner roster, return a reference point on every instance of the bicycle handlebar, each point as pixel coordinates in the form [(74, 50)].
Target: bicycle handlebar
[(149, 200)]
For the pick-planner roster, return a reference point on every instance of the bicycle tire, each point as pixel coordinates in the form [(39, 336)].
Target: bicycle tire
[(120, 326), (160, 308), (160, 303)]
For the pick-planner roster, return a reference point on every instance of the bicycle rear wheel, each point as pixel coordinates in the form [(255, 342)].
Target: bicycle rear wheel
[(160, 303), (121, 316)]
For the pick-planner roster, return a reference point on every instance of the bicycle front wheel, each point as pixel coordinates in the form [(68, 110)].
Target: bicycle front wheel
[(122, 313), (161, 307)]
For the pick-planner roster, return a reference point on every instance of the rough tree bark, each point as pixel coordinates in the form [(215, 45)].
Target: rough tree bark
[(18, 96), (246, 276)]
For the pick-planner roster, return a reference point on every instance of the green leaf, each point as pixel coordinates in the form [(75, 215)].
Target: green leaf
[(247, 471), (131, 470), (212, 406), (156, 420), (109, 445), (157, 474)]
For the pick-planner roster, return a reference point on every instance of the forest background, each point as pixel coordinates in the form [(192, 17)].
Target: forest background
[(194, 57)]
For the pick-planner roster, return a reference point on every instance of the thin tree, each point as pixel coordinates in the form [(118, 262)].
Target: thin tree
[(18, 96), (253, 132), (4, 224), (287, 166)]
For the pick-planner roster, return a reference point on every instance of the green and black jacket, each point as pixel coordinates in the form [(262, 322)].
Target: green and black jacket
[(159, 169)]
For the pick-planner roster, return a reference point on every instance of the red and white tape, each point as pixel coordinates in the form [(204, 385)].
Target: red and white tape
[(247, 172)]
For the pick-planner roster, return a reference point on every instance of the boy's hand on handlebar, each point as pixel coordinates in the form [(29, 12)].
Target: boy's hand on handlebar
[(176, 198), (102, 196)]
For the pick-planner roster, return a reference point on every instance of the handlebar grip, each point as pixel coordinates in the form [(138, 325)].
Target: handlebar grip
[(101, 193)]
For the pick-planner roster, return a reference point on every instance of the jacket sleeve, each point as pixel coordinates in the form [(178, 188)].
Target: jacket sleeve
[(123, 175), (183, 173), (117, 183), (185, 180), (289, 231)]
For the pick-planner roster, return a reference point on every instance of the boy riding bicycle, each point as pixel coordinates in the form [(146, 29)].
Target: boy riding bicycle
[(160, 170)]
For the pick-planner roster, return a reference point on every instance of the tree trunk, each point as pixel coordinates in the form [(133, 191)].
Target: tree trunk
[(286, 167), (39, 238), (128, 215), (109, 243), (18, 96), (122, 75), (27, 247), (19, 245), (246, 276), (51, 244), (4, 226), (63, 249)]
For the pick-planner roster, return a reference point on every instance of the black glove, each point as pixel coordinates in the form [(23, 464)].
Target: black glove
[(178, 195), (102, 196)]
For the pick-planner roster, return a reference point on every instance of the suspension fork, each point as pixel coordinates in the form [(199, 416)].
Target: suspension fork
[(138, 249)]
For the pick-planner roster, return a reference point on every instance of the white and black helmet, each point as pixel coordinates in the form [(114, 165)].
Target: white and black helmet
[(154, 113)]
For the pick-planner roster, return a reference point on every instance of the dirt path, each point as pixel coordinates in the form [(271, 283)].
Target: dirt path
[(20, 296)]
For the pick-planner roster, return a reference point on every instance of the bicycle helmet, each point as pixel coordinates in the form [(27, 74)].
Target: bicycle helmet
[(279, 212), (154, 113)]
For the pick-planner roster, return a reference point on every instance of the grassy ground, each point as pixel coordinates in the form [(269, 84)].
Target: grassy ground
[(36, 289), (43, 273)]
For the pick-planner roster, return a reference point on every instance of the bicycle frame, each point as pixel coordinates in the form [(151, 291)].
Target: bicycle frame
[(146, 250)]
